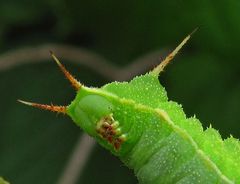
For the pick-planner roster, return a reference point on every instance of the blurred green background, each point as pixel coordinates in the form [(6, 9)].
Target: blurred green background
[(98, 41)]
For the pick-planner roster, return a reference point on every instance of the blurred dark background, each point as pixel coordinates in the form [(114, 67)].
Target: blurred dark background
[(102, 41)]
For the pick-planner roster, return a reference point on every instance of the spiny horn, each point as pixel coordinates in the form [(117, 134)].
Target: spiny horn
[(167, 60), (53, 108), (77, 85)]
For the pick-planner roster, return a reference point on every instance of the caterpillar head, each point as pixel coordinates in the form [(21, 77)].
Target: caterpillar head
[(92, 110), (88, 107)]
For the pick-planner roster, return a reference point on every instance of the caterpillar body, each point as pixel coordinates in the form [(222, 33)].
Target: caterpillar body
[(151, 134)]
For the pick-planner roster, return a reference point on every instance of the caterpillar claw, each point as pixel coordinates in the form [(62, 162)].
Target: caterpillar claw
[(53, 108), (77, 85)]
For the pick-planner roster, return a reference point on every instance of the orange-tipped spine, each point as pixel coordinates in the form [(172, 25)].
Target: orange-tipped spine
[(53, 108), (169, 57), (77, 85)]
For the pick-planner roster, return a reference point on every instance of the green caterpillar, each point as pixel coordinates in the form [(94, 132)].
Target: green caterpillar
[(150, 134)]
